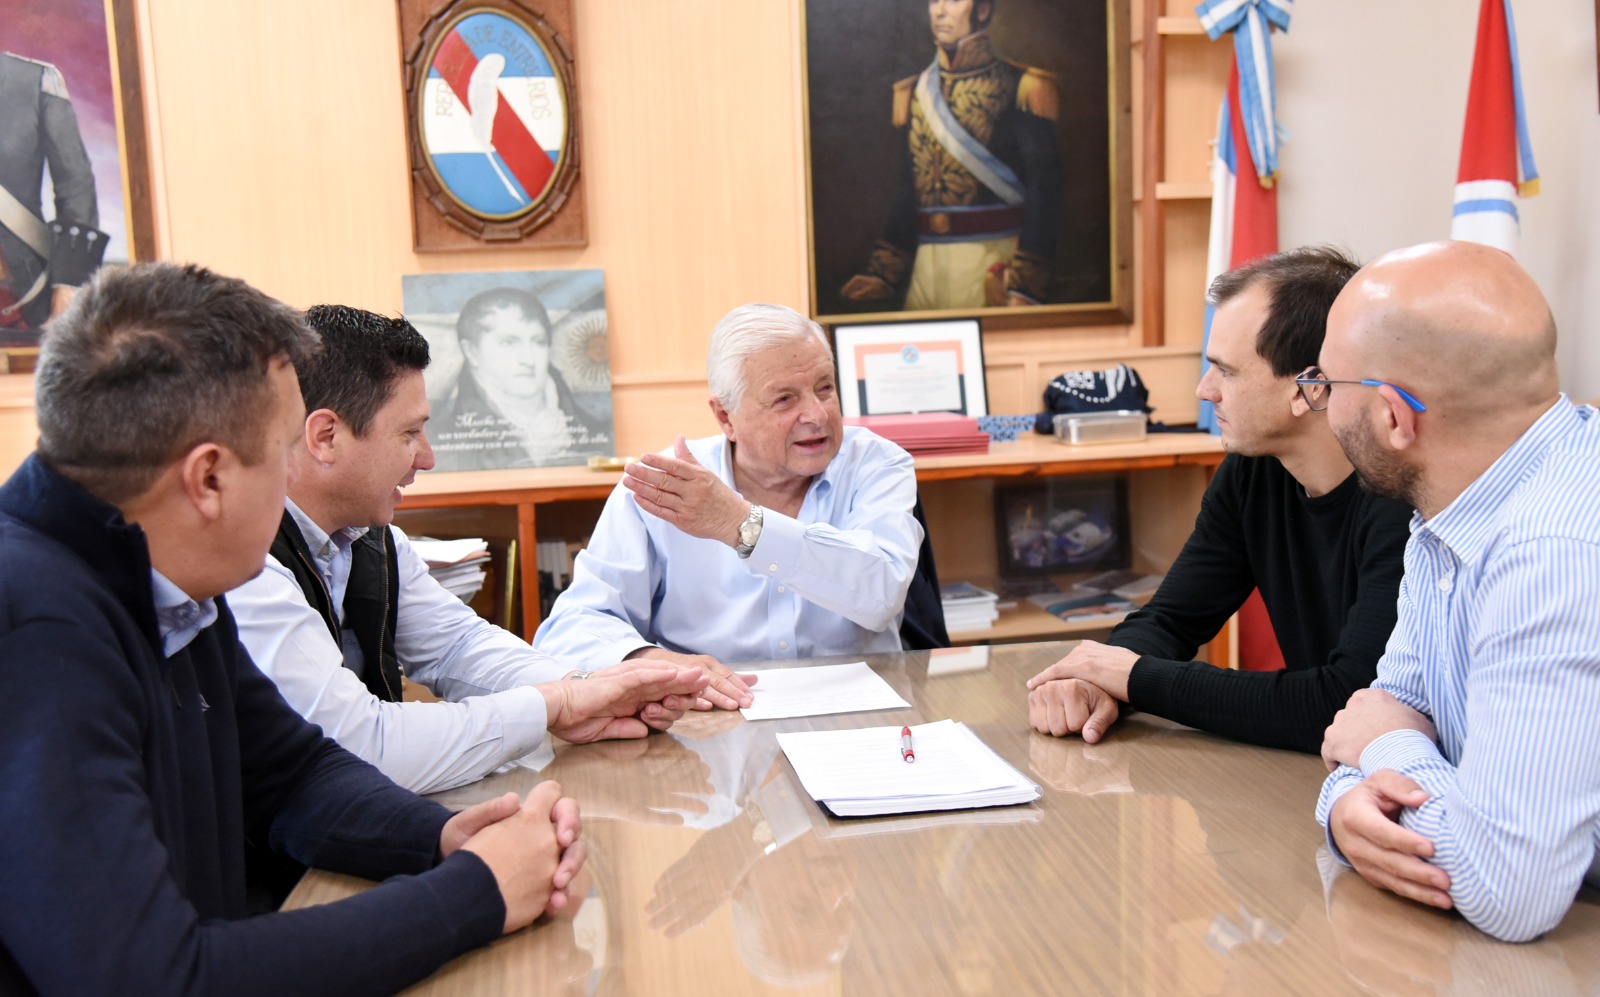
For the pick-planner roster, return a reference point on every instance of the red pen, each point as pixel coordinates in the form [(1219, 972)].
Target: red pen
[(906, 754)]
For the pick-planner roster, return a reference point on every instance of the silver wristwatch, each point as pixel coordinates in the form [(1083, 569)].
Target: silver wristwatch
[(749, 532)]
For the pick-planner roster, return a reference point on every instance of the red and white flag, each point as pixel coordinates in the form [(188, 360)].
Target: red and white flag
[(1496, 157)]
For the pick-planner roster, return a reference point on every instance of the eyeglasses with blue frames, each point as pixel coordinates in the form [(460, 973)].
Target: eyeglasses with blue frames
[(1315, 387)]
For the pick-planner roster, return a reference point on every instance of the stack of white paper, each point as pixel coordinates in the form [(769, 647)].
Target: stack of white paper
[(968, 607), (455, 564), (859, 772)]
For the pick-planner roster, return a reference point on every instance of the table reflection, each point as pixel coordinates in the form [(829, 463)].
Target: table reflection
[(1161, 860)]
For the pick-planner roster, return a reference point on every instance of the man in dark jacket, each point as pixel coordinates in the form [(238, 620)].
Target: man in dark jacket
[(140, 750)]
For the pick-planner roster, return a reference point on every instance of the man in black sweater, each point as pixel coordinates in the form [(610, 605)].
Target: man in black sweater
[(1284, 514), (140, 750)]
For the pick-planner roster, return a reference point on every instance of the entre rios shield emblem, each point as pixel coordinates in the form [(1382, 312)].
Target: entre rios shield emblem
[(493, 124)]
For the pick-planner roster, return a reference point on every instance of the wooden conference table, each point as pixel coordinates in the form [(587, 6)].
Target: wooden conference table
[(1162, 861)]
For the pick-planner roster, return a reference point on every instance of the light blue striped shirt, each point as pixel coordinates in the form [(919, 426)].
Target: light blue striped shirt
[(1498, 637)]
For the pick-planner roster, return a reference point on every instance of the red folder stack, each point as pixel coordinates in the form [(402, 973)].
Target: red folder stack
[(930, 434)]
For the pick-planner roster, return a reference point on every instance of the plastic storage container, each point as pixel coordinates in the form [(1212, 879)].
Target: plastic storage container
[(1121, 426)]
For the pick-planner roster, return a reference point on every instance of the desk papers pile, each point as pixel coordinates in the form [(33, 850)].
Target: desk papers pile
[(860, 772), (456, 564)]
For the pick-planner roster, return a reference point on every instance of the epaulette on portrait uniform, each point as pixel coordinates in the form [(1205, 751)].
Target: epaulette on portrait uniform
[(50, 79), (1037, 94), (902, 100)]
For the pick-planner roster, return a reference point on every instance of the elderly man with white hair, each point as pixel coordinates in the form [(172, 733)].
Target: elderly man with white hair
[(789, 535)]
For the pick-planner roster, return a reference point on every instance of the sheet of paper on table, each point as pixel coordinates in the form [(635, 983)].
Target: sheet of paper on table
[(819, 689)]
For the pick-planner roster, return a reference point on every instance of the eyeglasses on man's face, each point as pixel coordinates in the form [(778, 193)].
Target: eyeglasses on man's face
[(1316, 387)]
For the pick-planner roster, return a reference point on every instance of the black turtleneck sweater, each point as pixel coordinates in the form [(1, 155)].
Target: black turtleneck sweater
[(1329, 572)]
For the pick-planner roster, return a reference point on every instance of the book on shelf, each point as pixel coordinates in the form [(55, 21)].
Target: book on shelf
[(862, 772), (1127, 584), (1105, 581), (1093, 607), (968, 607)]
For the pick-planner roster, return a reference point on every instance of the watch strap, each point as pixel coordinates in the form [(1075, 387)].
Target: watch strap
[(749, 531)]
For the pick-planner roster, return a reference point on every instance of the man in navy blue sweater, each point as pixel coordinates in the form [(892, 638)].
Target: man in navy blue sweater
[(140, 750)]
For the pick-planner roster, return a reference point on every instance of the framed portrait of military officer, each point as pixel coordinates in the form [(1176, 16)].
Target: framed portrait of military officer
[(968, 157), (74, 184)]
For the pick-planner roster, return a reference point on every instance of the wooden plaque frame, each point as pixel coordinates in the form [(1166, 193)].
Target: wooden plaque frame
[(438, 220)]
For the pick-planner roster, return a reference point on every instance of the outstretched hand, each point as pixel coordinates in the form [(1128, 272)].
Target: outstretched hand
[(621, 702), (728, 690), (680, 490)]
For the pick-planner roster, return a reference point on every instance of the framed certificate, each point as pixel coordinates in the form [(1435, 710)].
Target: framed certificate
[(909, 367)]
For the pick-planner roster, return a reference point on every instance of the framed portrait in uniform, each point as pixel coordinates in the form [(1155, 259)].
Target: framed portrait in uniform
[(968, 158), (74, 176)]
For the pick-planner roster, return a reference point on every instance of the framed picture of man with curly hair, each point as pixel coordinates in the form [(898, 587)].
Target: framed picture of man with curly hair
[(520, 373), (968, 157)]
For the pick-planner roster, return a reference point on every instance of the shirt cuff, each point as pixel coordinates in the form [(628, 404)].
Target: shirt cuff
[(1340, 782), (1398, 750), (778, 548), (1150, 684), (524, 719)]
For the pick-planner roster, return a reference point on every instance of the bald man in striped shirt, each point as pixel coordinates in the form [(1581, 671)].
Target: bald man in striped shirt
[(1468, 775)]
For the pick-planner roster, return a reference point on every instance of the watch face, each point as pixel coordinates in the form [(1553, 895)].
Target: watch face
[(749, 532)]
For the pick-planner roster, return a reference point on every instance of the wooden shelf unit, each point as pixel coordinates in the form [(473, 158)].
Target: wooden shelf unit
[(1182, 75), (1162, 506)]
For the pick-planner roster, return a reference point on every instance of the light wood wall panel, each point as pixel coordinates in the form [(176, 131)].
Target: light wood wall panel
[(1017, 375), (284, 161), (18, 430), (279, 141), (1197, 76), (1188, 228)]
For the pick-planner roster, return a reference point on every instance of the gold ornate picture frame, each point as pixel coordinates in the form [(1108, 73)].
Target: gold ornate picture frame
[(88, 51), (981, 168)]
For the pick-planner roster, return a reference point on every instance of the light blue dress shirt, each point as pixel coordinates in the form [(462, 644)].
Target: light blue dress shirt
[(1498, 641), (179, 619), (831, 581)]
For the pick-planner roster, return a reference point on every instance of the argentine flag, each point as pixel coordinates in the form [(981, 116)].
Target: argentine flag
[(1496, 156)]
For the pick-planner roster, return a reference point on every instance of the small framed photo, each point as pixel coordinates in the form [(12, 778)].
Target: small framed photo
[(1062, 525), (903, 368)]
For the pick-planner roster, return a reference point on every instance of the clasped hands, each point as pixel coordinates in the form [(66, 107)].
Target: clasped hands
[(1365, 822), (531, 846), (1081, 692)]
